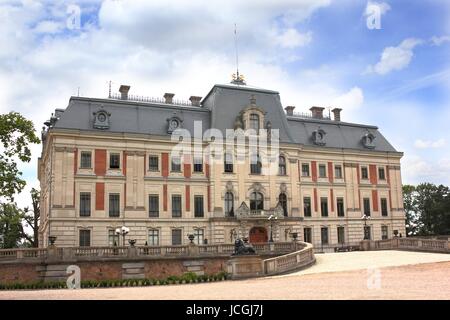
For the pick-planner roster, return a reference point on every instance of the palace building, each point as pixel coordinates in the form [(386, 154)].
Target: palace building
[(108, 163)]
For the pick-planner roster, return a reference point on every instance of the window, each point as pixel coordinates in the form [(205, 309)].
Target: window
[(322, 171), (366, 206), (114, 161), (199, 236), (384, 208), (307, 234), (114, 205), (364, 173), (338, 172), (198, 207), (340, 207), (324, 207), (85, 238), (153, 237), (255, 164), (176, 206), (85, 160), (384, 233), (153, 206), (85, 204), (305, 170), (229, 204), (341, 235), (254, 122), (176, 237), (307, 206), (176, 164), (324, 235), (381, 174), (256, 201), (198, 164), (113, 238), (282, 166), (367, 233), (228, 163), (153, 163), (283, 201)]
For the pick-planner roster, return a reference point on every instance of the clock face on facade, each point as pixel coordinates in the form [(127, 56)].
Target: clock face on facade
[(174, 124), (101, 117)]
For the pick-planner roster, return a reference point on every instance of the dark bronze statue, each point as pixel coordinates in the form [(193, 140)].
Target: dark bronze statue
[(242, 247)]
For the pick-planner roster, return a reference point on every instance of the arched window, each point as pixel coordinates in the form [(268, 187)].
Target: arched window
[(228, 163), (229, 204), (283, 201), (254, 122), (255, 164), (282, 166), (256, 201)]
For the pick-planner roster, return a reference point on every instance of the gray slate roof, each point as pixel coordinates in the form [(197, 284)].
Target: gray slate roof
[(218, 110)]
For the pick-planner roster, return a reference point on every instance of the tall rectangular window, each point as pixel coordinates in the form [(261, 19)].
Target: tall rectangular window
[(198, 164), (307, 234), (324, 235), (176, 164), (384, 207), (341, 235), (322, 171), (85, 162), (153, 163), (176, 237), (305, 170), (114, 161), (153, 206), (340, 207), (113, 238), (307, 206), (114, 204), (324, 207), (228, 162), (366, 202), (338, 172), (85, 238), (198, 207), (364, 173), (381, 174), (85, 204), (199, 235), (176, 206), (153, 237), (384, 233)]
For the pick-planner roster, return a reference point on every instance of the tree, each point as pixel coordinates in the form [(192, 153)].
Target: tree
[(16, 134), (32, 218), (11, 228), (413, 222)]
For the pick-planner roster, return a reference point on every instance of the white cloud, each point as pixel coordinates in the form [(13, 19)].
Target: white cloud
[(417, 169), (437, 41), (291, 38), (48, 26), (350, 100), (395, 58), (426, 144)]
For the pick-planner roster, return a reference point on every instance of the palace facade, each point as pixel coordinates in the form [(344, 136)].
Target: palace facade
[(108, 163)]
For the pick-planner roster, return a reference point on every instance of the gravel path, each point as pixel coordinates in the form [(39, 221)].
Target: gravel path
[(355, 275)]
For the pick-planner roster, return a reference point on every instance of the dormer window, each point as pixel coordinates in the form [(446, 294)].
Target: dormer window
[(368, 141), (101, 119), (319, 137), (254, 122)]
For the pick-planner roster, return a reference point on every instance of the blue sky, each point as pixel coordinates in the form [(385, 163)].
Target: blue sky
[(314, 52)]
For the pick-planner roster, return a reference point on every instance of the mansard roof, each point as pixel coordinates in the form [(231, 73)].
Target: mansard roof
[(219, 110)]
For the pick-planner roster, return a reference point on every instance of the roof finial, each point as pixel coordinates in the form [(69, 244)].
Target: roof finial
[(237, 78)]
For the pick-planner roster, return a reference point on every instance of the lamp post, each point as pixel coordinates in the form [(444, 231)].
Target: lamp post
[(272, 219), (365, 218), (123, 231)]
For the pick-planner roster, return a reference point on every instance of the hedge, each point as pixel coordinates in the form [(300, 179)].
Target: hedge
[(189, 277)]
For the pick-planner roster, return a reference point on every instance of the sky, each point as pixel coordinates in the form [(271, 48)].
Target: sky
[(384, 63)]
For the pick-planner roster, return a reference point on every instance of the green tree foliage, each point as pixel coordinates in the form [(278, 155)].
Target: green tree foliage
[(11, 228), (427, 208)]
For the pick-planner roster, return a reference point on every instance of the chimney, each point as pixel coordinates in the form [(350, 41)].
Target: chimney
[(124, 92), (195, 100), (168, 97), (289, 110), (317, 112), (337, 114)]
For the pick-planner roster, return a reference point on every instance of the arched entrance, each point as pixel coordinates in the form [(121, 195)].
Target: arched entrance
[(258, 235)]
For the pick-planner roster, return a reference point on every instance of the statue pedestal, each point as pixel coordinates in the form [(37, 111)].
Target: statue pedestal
[(365, 245), (245, 266)]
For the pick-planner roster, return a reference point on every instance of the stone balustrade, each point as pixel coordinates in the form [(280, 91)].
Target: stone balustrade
[(289, 262), (429, 245)]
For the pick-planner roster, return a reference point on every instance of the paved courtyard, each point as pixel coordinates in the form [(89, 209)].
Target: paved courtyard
[(353, 275)]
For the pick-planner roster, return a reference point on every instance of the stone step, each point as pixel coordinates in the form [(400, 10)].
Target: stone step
[(134, 270), (56, 274), (133, 276), (57, 267), (193, 263), (133, 265)]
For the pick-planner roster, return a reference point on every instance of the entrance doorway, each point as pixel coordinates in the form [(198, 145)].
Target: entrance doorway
[(258, 235)]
